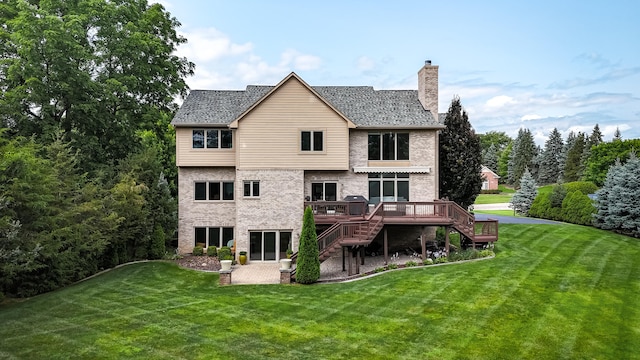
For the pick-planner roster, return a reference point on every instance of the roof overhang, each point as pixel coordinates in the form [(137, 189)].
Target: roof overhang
[(200, 125), (393, 169)]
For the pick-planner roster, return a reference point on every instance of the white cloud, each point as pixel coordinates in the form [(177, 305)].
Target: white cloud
[(500, 101), (299, 61), (210, 44), (529, 117)]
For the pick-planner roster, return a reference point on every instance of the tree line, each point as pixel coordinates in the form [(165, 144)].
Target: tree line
[(585, 172), (87, 154)]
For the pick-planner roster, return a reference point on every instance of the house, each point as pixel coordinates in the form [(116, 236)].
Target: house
[(249, 161), (490, 179)]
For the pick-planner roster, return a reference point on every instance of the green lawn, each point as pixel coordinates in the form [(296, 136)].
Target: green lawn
[(552, 292), (493, 198)]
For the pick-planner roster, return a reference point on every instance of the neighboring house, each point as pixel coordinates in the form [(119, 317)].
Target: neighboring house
[(249, 160), (489, 179)]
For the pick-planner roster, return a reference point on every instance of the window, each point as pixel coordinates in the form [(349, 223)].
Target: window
[(213, 236), (269, 245), (389, 146), (214, 139), (324, 191), (213, 190), (388, 187), (252, 188), (312, 141)]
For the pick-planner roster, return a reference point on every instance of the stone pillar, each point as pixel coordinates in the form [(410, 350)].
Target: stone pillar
[(285, 276), (225, 277)]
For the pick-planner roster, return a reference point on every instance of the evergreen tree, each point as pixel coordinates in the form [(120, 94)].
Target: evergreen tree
[(551, 157), (308, 263), (596, 136), (490, 158), (526, 194), (460, 158), (573, 166), (617, 136), (522, 156), (617, 201)]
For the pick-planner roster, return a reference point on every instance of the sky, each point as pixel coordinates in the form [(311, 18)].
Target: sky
[(565, 64)]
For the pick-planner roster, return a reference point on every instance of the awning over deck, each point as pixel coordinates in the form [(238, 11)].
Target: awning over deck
[(392, 169)]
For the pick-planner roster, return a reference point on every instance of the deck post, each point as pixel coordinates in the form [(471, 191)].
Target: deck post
[(343, 256), (362, 255), (386, 247), (357, 261), (350, 255), (446, 239), (423, 244)]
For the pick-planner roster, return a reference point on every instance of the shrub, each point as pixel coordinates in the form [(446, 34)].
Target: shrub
[(308, 268), (225, 253), (485, 253), (411, 263), (441, 260), (392, 266), (198, 250), (379, 269), (586, 187), (428, 261), (496, 191), (577, 208), (212, 251)]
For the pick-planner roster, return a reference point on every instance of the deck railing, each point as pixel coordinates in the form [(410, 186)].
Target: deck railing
[(353, 211)]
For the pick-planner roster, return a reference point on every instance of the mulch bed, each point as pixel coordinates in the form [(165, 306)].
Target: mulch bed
[(206, 263)]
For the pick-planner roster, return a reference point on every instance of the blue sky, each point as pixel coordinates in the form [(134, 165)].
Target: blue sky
[(535, 64)]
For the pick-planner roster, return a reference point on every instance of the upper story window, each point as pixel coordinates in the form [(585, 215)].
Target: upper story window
[(213, 190), (252, 188), (389, 146), (212, 139), (312, 140)]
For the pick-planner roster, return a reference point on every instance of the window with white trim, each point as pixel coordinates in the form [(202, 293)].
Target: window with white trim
[(389, 146), (324, 191), (213, 236), (213, 190), (252, 188), (311, 140), (388, 187), (212, 139)]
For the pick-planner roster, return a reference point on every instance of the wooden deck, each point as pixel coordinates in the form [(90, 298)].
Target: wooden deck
[(355, 224)]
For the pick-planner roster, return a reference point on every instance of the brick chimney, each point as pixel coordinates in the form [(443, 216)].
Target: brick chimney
[(428, 87)]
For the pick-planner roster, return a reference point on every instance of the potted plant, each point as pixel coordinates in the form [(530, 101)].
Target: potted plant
[(289, 253), (243, 257)]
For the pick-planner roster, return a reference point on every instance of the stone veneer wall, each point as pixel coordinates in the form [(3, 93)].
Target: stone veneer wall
[(279, 207), (193, 213)]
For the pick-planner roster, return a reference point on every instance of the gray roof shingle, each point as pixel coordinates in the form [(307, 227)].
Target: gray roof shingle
[(363, 105)]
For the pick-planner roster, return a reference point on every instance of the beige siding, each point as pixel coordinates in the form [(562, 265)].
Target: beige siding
[(268, 137), (186, 155)]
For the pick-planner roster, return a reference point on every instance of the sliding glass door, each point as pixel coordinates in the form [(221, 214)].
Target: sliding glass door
[(268, 245)]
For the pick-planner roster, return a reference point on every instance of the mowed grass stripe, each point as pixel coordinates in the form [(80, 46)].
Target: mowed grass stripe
[(544, 277)]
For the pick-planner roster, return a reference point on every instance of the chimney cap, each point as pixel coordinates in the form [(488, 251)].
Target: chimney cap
[(427, 62)]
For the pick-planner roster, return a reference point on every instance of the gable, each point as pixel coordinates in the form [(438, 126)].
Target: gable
[(301, 87), (268, 135)]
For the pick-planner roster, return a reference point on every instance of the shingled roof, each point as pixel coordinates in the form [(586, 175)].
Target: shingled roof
[(363, 105)]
